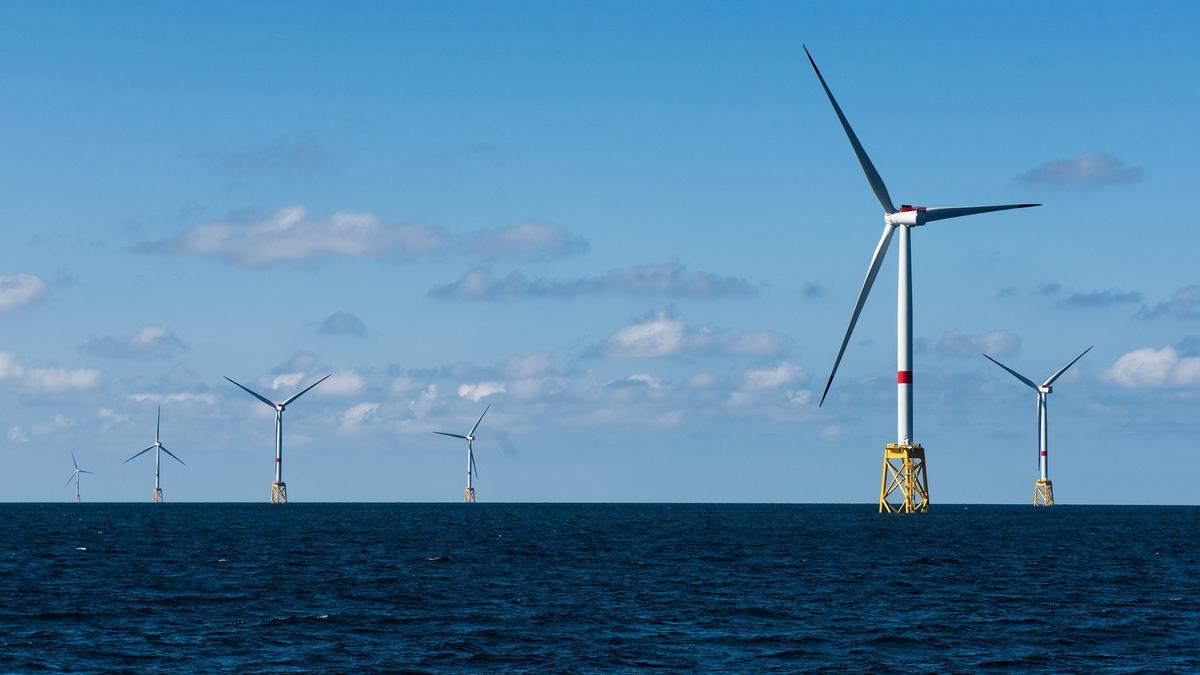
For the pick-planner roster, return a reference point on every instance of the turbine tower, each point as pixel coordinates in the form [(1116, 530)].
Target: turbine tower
[(1043, 489), (469, 493), (278, 487), (904, 460), (158, 449), (75, 476)]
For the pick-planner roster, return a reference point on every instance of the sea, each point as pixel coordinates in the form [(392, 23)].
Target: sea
[(597, 588)]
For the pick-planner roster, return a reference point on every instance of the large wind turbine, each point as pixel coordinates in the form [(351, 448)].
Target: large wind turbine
[(278, 487), (75, 476), (1043, 489), (158, 449), (469, 493), (904, 460)]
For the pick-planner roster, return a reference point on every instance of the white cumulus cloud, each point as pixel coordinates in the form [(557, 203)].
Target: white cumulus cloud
[(46, 380), (1150, 368), (18, 290), (480, 390)]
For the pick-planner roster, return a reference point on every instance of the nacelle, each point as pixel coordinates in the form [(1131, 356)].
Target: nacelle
[(911, 216)]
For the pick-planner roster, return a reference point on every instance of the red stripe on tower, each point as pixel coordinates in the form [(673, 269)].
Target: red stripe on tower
[(904, 377)]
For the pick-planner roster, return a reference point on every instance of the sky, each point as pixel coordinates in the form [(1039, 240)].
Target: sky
[(636, 230)]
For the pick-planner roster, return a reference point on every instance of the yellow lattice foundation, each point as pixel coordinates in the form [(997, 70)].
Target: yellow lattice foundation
[(278, 493), (1043, 493), (904, 487), (469, 495), (157, 496)]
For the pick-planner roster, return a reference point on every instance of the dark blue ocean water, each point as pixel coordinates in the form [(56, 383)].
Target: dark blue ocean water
[(489, 587)]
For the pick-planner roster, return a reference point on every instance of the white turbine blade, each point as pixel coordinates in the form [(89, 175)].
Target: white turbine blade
[(872, 272), (472, 431), (164, 449), (138, 455), (71, 478), (86, 471), (474, 470), (73, 460), (254, 394), (158, 424), (451, 435), (873, 178), (958, 211), (1064, 368), (285, 403), (1038, 435), (1014, 373)]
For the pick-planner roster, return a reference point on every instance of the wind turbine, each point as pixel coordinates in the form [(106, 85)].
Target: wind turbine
[(157, 496), (469, 493), (904, 460), (279, 488), (75, 476), (1043, 489)]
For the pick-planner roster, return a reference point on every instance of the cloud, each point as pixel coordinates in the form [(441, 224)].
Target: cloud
[(342, 383), (663, 334), (1086, 170), (1097, 299), (1183, 304), (111, 418), (279, 156), (1154, 368), (480, 390), (668, 280), (356, 415), (343, 323), (525, 240), (177, 397), (18, 290), (774, 377), (996, 343), (147, 342), (46, 380), (291, 235)]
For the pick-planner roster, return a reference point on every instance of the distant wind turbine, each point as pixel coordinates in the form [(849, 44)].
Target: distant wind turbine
[(157, 495), (279, 488), (904, 460), (75, 475), (469, 493), (1043, 489)]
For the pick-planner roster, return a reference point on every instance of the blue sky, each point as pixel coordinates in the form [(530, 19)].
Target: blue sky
[(637, 231)]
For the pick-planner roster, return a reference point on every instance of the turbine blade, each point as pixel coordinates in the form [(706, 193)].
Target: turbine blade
[(868, 168), (872, 272), (164, 449), (158, 424), (472, 431), (254, 394), (1064, 368), (86, 471), (474, 469), (73, 460), (1038, 435), (451, 435), (958, 211), (1014, 373), (285, 403), (138, 455), (70, 478)]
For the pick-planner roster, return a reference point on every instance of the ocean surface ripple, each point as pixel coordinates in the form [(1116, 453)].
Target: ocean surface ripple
[(597, 587)]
